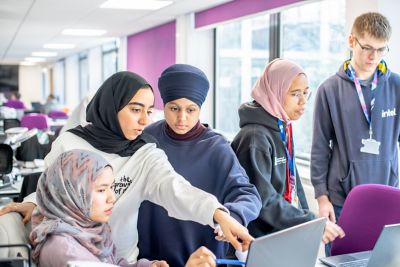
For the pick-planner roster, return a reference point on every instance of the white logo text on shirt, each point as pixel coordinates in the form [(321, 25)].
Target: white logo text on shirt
[(281, 160), (389, 113)]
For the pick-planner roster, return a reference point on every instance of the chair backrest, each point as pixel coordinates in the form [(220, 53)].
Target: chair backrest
[(366, 210), (17, 104), (35, 120), (10, 123), (57, 114), (6, 159)]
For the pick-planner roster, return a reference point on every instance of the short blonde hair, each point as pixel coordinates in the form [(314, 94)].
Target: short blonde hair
[(374, 24)]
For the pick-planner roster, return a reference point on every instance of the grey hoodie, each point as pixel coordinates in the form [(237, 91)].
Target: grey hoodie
[(261, 152), (337, 164)]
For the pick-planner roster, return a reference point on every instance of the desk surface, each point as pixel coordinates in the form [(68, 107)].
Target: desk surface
[(15, 189), (12, 190)]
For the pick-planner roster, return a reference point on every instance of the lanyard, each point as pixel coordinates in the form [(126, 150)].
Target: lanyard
[(374, 84), (289, 154)]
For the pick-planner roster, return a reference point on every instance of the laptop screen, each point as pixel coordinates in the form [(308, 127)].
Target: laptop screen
[(295, 246)]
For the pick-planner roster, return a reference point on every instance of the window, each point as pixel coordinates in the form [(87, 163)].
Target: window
[(59, 81), (242, 52), (313, 35), (45, 83), (110, 59), (83, 75)]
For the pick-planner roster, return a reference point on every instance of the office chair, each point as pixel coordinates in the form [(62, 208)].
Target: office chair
[(17, 104), (366, 210), (10, 123), (6, 165), (6, 159), (57, 114), (35, 120)]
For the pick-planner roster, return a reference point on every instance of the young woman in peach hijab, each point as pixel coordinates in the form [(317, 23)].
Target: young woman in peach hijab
[(265, 148)]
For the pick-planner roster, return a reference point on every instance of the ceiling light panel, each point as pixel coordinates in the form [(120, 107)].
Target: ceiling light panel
[(59, 46), (84, 32), (135, 4), (34, 59), (44, 54)]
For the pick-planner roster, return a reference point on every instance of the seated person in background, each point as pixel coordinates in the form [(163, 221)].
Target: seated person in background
[(75, 200), (204, 158), (265, 148), (3, 99), (14, 95), (51, 104)]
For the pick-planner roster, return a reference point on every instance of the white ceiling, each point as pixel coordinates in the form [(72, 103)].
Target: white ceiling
[(25, 25)]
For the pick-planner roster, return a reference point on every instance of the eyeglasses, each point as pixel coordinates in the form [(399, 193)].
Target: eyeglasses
[(300, 94), (369, 50)]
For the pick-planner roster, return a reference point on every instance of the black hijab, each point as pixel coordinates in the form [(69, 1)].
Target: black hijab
[(104, 132)]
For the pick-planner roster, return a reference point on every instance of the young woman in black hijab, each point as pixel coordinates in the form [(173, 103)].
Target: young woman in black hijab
[(118, 114)]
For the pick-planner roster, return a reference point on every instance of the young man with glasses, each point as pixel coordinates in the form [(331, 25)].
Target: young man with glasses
[(356, 126)]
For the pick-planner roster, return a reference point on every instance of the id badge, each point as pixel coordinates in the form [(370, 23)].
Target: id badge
[(370, 146)]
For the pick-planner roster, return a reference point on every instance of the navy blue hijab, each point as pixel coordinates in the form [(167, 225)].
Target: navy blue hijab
[(105, 133)]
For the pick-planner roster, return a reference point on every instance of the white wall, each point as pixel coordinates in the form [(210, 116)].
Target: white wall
[(72, 81), (95, 68), (30, 83), (195, 47), (390, 8), (123, 53)]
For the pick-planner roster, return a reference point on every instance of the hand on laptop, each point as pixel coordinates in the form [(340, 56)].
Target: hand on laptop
[(201, 257), (159, 264), (331, 232), (233, 230)]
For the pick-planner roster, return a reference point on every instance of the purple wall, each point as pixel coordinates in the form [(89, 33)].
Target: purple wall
[(150, 52), (236, 9)]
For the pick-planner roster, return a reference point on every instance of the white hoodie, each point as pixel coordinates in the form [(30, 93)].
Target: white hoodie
[(146, 175)]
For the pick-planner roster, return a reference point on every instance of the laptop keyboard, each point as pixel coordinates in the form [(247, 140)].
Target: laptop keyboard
[(356, 263)]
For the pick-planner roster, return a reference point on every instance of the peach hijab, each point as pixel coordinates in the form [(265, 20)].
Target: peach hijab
[(271, 88)]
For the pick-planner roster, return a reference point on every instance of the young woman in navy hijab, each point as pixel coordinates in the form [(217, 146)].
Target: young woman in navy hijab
[(204, 158)]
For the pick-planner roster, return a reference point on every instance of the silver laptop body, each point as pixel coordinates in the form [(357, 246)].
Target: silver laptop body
[(295, 246), (386, 252)]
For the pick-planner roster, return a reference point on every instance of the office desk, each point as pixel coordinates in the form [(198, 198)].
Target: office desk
[(11, 191), (14, 189), (54, 124)]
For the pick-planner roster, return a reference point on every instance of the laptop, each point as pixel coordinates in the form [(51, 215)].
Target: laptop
[(295, 246), (386, 252), (36, 106)]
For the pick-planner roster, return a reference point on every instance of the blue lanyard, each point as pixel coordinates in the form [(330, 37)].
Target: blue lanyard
[(374, 85), (229, 261), (290, 158)]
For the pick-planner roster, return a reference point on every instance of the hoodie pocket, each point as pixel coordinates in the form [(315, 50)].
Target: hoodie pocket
[(369, 172)]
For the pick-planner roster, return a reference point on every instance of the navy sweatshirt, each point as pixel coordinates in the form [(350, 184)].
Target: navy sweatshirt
[(337, 164), (208, 163)]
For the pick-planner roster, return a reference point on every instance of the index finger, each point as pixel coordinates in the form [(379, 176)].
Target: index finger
[(246, 240), (233, 240), (340, 231)]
